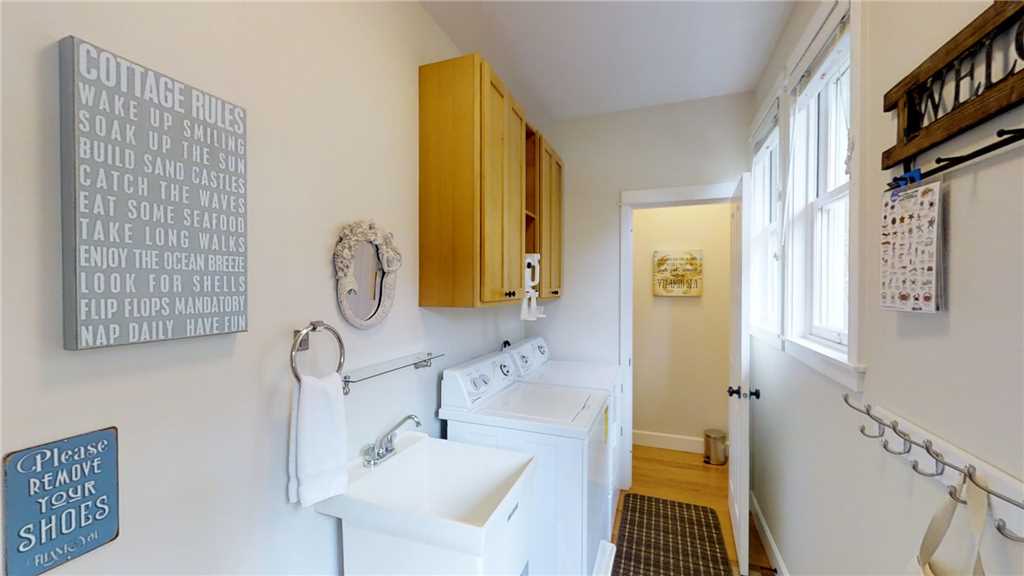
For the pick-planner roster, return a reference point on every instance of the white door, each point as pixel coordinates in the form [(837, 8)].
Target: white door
[(624, 475), (739, 377)]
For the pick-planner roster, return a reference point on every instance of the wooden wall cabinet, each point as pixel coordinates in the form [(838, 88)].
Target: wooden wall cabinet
[(550, 217), (472, 186)]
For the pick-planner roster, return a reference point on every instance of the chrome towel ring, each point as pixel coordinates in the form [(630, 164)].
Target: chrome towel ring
[(302, 335)]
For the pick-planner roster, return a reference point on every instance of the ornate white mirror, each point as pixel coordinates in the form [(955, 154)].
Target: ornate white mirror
[(366, 265)]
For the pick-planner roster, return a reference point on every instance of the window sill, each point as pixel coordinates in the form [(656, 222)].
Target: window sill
[(828, 361)]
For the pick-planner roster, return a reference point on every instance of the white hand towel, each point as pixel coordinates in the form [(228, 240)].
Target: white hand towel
[(293, 470), (316, 463)]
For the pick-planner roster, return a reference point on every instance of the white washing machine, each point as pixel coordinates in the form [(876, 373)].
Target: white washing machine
[(565, 429), (534, 365)]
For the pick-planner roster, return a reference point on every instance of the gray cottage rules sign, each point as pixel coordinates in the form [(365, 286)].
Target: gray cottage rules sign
[(154, 200)]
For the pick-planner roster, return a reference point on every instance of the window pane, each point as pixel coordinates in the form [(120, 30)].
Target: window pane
[(831, 269), (803, 156), (773, 181), (813, 147), (760, 192), (765, 281), (838, 93), (763, 192), (765, 274)]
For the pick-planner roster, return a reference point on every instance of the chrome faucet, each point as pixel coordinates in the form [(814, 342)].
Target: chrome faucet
[(384, 447)]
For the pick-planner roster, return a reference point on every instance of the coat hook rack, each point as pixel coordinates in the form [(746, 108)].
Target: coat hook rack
[(968, 471), (1006, 137)]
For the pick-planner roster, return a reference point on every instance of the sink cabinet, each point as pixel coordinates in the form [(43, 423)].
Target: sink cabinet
[(472, 186), (437, 507)]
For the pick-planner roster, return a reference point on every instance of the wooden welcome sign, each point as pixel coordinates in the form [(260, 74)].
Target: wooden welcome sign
[(975, 76)]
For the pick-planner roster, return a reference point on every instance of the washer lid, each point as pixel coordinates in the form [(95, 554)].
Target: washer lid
[(552, 403), (577, 374)]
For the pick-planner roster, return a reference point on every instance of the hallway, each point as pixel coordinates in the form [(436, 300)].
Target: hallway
[(684, 477)]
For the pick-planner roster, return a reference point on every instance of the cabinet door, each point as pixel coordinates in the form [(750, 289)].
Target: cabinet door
[(515, 194), (494, 100), (555, 211), (551, 223)]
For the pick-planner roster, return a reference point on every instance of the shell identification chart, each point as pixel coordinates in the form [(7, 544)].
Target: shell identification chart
[(153, 204), (912, 249)]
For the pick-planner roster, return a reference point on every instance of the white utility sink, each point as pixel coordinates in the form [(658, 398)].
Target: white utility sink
[(436, 506)]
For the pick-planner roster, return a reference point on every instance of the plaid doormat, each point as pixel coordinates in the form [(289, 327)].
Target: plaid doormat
[(659, 537)]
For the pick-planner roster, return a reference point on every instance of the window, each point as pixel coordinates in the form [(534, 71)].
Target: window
[(831, 250), (765, 264), (820, 207)]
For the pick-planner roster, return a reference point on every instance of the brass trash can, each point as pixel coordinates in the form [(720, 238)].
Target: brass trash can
[(716, 451)]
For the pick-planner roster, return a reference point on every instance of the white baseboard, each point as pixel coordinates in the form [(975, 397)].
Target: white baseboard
[(767, 538), (669, 441)]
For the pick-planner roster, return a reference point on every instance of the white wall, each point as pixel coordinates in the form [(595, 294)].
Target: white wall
[(681, 345), (691, 143), (331, 95), (834, 501)]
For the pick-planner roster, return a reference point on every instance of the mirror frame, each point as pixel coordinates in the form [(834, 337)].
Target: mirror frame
[(352, 235)]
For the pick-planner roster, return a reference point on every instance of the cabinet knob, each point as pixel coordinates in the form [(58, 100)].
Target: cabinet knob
[(555, 292)]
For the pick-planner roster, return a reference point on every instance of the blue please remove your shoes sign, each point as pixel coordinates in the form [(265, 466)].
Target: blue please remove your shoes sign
[(60, 501)]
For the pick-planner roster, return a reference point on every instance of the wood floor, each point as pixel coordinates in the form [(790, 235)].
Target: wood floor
[(684, 477)]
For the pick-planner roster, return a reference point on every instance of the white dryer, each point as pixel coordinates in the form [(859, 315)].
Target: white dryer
[(565, 429), (535, 366)]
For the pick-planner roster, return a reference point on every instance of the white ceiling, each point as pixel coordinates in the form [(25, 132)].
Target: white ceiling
[(568, 59)]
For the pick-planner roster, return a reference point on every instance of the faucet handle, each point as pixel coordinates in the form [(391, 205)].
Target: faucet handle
[(370, 456)]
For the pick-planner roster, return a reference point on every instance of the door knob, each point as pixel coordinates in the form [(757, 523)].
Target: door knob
[(756, 394), (734, 391)]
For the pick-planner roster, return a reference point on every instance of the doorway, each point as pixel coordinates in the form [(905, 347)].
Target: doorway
[(671, 452)]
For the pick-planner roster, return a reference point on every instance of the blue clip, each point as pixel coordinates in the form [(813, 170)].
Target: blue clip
[(901, 181)]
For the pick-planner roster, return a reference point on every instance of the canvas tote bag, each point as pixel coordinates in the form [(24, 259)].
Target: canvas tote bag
[(977, 512)]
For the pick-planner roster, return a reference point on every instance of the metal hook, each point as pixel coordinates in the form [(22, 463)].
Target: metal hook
[(940, 459), (881, 424), (895, 425), (940, 466), (1000, 523), (953, 493), (846, 398), (864, 431), (1006, 532), (867, 412)]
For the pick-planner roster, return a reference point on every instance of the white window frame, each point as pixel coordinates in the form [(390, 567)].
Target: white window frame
[(822, 197), (765, 232), (838, 363), (829, 354)]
